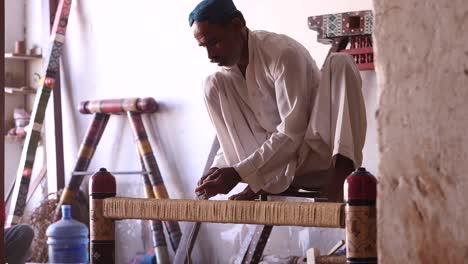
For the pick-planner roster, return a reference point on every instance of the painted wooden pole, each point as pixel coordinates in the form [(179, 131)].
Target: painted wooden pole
[(146, 154), (360, 193), (85, 154), (119, 106), (23, 177), (102, 110), (159, 239), (102, 230)]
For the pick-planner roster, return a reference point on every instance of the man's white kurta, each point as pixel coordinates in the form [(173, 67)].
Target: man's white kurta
[(262, 120)]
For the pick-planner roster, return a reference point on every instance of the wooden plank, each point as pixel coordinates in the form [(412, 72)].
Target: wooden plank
[(19, 90), (22, 57), (36, 183), (57, 94)]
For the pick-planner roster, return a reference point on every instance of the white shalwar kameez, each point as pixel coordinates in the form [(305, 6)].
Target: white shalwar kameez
[(285, 119)]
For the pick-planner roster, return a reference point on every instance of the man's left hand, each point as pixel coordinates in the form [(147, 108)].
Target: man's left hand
[(222, 181)]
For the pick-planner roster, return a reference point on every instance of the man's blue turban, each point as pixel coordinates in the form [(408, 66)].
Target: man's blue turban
[(213, 11)]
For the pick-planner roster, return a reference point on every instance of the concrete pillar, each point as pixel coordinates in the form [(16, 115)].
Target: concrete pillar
[(422, 72)]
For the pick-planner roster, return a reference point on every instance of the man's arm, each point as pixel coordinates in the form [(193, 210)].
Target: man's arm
[(219, 160), (295, 72)]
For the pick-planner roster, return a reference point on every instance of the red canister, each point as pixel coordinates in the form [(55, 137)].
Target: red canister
[(360, 193), (102, 234)]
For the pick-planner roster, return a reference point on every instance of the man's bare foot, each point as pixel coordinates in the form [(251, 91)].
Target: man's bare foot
[(246, 195)]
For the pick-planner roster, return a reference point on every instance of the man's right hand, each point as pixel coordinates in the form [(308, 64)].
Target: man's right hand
[(210, 175)]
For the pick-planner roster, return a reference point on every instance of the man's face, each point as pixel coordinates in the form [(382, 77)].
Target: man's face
[(223, 44)]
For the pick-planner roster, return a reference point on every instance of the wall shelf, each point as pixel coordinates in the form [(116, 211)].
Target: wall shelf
[(14, 139), (19, 91), (22, 56)]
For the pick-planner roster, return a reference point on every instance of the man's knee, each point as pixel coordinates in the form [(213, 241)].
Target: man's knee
[(26, 233), (339, 61), (18, 238)]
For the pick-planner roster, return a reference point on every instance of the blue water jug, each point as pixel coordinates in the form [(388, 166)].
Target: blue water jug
[(68, 240)]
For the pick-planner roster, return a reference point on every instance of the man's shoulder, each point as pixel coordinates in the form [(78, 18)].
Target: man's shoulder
[(275, 45), (218, 75), (275, 40), (214, 81)]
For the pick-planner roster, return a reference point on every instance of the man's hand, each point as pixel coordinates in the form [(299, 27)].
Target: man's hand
[(218, 181), (246, 195), (207, 176)]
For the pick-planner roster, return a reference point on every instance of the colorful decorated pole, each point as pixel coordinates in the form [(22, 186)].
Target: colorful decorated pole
[(102, 231), (146, 154), (102, 110), (119, 106), (360, 193), (85, 154), (33, 136), (159, 240)]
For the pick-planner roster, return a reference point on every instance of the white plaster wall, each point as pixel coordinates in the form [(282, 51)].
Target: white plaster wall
[(145, 48), (14, 30), (23, 21), (423, 74)]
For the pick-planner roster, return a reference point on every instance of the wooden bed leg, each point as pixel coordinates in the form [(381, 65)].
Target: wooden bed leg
[(102, 231), (360, 193)]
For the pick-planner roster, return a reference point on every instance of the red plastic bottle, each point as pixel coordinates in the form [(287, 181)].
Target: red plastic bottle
[(360, 194), (102, 234)]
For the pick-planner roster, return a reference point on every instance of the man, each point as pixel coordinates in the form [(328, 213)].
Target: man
[(264, 103)]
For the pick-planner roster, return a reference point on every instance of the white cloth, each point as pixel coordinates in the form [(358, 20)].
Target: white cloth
[(339, 114), (262, 120)]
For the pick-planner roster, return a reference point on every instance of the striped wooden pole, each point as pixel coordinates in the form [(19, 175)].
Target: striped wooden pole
[(119, 106), (102, 110), (146, 154), (102, 230), (85, 154), (23, 177), (159, 239)]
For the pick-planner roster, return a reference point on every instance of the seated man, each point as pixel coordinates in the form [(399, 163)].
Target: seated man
[(280, 122)]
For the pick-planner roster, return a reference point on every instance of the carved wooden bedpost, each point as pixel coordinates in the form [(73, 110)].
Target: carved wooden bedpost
[(102, 232), (360, 193)]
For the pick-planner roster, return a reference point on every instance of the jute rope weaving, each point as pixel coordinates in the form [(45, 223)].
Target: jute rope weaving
[(240, 212)]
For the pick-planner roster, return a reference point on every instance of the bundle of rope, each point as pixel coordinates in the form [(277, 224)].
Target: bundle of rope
[(240, 212)]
